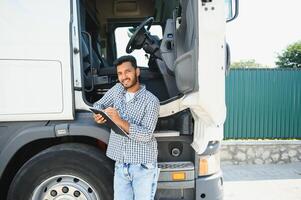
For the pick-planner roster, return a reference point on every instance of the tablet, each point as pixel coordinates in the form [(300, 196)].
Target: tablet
[(109, 122)]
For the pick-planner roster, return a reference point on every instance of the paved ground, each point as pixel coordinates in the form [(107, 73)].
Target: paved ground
[(262, 182)]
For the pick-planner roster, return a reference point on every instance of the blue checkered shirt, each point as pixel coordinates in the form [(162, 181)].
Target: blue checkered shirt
[(142, 114)]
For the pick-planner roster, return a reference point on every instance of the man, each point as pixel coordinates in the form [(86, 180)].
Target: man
[(136, 111)]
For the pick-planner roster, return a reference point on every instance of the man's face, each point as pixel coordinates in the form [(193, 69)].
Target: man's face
[(127, 74)]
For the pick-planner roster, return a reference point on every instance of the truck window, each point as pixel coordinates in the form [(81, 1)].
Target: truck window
[(122, 36)]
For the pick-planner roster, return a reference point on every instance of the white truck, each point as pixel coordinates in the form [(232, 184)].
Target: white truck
[(56, 60)]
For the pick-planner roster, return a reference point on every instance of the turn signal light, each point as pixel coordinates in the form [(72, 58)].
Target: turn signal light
[(203, 167), (178, 176), (209, 164)]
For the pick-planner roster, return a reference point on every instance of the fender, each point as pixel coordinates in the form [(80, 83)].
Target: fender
[(19, 139), (79, 127)]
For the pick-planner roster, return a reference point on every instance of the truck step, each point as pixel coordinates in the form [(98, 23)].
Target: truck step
[(168, 133)]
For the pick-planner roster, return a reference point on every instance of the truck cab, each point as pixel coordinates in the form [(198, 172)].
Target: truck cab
[(56, 60)]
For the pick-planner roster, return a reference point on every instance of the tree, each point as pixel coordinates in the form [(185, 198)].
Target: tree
[(290, 57), (247, 64)]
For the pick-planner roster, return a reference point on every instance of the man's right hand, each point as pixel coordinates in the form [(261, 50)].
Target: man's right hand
[(99, 119)]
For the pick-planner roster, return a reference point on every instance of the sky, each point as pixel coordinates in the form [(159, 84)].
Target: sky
[(264, 28)]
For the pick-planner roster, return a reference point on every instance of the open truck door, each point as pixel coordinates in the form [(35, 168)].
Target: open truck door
[(195, 50), (206, 97)]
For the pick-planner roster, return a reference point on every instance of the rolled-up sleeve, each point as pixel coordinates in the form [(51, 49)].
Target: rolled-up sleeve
[(143, 132)]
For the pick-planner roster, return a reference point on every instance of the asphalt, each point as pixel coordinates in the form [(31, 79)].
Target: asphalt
[(262, 182)]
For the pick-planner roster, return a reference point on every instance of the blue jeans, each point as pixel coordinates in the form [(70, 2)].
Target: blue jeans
[(135, 181)]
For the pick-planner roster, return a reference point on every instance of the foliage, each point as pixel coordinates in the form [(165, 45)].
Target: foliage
[(247, 64), (290, 57)]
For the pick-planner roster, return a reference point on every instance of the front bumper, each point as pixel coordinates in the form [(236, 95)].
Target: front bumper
[(209, 187)]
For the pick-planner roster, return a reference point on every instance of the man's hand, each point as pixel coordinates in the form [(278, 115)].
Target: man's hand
[(113, 114), (99, 119)]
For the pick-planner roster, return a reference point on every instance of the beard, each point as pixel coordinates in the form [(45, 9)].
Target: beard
[(130, 83)]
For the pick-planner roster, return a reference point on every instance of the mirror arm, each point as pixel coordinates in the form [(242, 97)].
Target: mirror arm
[(236, 11)]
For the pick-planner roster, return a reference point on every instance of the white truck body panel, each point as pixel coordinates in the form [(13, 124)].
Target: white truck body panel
[(17, 85), (35, 68)]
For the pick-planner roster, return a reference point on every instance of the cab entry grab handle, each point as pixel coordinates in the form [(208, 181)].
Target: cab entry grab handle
[(90, 60)]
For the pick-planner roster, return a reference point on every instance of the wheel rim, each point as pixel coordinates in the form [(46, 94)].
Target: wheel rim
[(65, 187)]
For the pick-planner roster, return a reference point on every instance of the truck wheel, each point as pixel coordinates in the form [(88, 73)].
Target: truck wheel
[(66, 171)]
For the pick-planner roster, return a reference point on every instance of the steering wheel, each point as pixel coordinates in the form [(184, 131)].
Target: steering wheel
[(138, 37)]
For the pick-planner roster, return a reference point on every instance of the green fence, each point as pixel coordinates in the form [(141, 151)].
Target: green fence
[(263, 103)]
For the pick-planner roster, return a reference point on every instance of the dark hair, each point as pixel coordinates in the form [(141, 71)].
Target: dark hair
[(127, 58)]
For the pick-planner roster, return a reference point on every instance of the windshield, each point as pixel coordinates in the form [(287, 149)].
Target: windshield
[(122, 36)]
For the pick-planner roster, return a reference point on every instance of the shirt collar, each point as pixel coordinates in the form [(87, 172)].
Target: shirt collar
[(141, 90)]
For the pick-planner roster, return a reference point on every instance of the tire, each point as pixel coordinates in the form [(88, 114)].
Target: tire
[(64, 171)]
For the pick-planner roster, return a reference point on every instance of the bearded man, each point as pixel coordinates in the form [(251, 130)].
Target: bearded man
[(136, 111)]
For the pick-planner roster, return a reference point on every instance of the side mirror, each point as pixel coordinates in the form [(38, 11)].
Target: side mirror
[(231, 9)]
